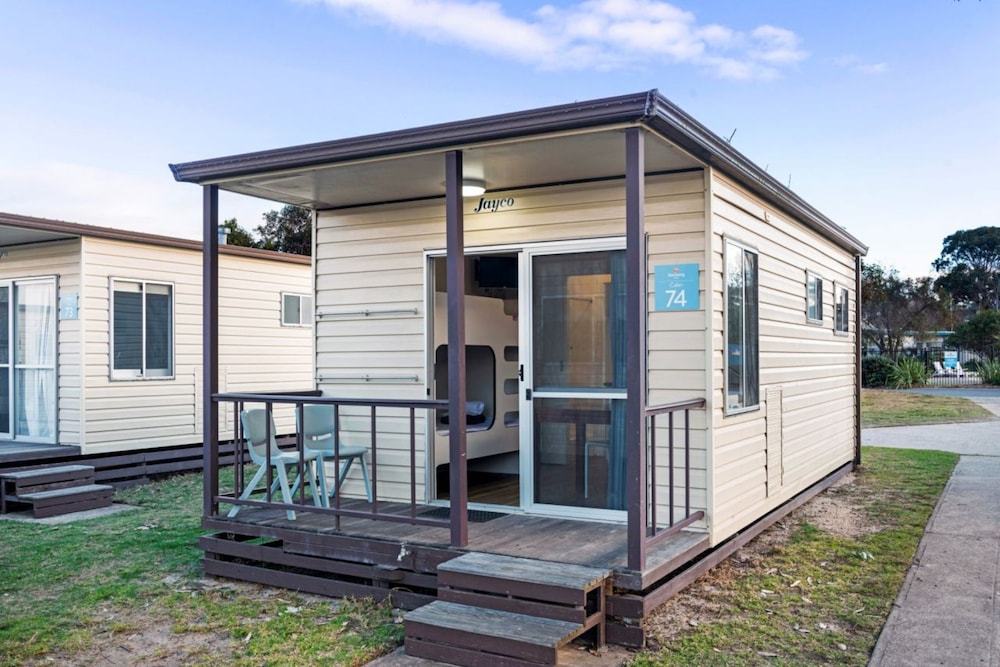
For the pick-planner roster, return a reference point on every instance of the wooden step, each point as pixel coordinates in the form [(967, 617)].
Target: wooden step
[(20, 480), (464, 635), (15, 485), (564, 583), (64, 501)]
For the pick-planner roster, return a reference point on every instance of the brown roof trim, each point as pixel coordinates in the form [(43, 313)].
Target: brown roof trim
[(75, 229), (647, 108), (627, 108)]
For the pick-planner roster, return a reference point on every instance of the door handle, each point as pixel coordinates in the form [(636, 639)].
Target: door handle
[(520, 372)]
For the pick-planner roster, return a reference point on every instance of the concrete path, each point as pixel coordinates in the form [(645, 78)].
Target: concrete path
[(948, 611)]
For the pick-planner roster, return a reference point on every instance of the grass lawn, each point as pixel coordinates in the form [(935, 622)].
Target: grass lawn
[(884, 407), (127, 589), (817, 588)]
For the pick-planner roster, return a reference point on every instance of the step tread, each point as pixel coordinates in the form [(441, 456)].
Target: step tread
[(495, 566), (43, 472), (543, 632), (68, 491)]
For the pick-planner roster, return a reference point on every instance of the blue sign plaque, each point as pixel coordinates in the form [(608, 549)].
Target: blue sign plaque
[(69, 308), (676, 286)]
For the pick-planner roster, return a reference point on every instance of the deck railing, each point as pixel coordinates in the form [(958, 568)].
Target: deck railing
[(367, 410), (656, 531)]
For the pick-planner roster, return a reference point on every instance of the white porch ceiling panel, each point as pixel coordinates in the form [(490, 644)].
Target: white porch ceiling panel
[(504, 166)]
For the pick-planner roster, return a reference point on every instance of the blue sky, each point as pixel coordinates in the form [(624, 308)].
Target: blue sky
[(884, 115)]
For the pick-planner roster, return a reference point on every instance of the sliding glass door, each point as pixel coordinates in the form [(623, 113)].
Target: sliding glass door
[(576, 380), (28, 360)]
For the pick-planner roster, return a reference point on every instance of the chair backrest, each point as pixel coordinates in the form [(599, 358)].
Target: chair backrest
[(937, 367), (317, 423), (258, 435)]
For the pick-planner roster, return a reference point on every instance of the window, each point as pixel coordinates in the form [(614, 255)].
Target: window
[(142, 329), (742, 349), (814, 298), (296, 310), (842, 321)]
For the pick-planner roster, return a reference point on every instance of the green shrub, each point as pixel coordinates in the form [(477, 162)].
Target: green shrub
[(909, 373), (989, 371), (875, 371)]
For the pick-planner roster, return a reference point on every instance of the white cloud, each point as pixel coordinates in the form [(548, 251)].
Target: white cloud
[(601, 34), (857, 64)]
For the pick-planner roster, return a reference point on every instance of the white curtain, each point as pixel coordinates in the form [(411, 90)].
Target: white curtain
[(35, 376)]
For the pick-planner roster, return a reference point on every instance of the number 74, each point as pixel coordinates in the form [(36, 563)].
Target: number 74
[(676, 298)]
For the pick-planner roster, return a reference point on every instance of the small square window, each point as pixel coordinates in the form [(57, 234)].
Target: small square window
[(814, 298), (296, 310), (842, 323)]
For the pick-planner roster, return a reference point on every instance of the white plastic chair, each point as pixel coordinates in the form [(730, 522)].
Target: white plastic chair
[(317, 430), (259, 439)]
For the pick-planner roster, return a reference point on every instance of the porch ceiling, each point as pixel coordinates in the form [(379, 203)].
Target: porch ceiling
[(15, 235), (503, 165)]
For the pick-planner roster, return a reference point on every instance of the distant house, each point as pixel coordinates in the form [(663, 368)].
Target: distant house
[(598, 324), (101, 338)]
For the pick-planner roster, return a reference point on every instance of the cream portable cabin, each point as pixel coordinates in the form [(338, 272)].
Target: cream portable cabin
[(101, 339), (591, 335)]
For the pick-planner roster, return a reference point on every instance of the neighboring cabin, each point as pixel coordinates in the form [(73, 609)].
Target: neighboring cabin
[(101, 337)]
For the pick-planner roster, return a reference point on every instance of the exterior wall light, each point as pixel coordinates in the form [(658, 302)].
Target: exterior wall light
[(473, 187)]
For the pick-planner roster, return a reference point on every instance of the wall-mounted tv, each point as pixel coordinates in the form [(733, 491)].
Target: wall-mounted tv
[(496, 271)]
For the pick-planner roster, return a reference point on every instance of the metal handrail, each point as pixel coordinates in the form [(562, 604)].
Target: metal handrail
[(311, 397), (653, 534)]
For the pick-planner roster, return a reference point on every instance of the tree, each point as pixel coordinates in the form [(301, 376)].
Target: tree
[(893, 307), (970, 266), (287, 230), (239, 236), (981, 333)]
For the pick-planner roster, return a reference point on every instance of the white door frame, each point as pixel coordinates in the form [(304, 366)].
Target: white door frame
[(527, 405), (525, 252)]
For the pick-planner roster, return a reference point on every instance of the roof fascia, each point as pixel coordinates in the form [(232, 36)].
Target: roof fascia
[(607, 111), (77, 230)]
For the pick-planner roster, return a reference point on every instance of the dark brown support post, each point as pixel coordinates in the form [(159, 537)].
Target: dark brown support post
[(455, 227), (635, 310), (210, 347), (857, 362)]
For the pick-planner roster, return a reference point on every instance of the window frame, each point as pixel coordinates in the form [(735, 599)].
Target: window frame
[(306, 314), (729, 246), (142, 373), (844, 316), (811, 279)]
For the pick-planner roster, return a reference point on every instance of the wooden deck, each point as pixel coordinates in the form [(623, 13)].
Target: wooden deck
[(401, 561), (594, 544), (12, 453), (384, 559)]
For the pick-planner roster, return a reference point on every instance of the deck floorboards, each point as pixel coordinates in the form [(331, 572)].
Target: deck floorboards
[(594, 544)]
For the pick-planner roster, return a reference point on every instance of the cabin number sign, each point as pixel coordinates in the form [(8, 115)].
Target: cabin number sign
[(676, 286)]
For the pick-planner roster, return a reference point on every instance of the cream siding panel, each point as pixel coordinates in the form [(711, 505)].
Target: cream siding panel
[(811, 366), (675, 227), (62, 260), (256, 353), (373, 258)]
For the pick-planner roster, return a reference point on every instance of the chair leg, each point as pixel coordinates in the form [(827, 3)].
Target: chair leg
[(286, 493), (346, 467), (364, 476), (247, 491), (324, 494)]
